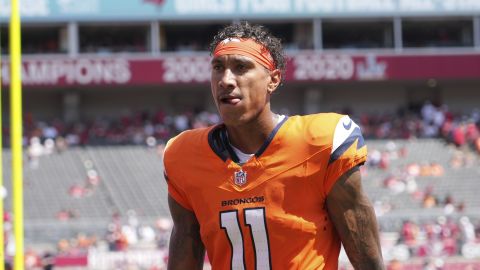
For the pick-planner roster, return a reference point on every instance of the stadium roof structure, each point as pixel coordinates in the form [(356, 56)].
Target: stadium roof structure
[(181, 10)]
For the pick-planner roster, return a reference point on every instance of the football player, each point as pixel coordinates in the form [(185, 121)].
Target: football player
[(263, 190)]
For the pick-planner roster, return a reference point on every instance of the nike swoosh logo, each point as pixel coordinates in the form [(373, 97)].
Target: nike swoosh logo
[(348, 126)]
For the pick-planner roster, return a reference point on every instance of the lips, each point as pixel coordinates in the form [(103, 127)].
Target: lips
[(230, 99)]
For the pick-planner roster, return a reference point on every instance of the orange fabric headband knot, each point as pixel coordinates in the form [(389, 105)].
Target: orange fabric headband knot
[(246, 47)]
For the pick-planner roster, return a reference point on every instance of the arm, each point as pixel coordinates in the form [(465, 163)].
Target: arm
[(186, 249), (355, 221)]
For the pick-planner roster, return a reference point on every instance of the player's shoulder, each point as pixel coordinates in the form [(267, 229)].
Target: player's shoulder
[(322, 128), (321, 124), (185, 142), (327, 120)]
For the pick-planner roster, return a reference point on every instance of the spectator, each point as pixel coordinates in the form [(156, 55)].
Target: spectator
[(477, 144), (76, 191), (374, 157), (395, 265), (34, 151), (410, 232), (459, 135), (436, 169), (429, 201), (467, 231), (147, 234), (48, 261)]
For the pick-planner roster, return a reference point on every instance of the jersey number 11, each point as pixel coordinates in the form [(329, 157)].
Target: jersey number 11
[(255, 220)]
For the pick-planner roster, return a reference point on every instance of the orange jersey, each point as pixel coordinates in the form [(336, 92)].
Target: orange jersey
[(270, 212)]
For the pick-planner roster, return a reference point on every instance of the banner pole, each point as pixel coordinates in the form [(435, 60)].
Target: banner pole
[(16, 133), (2, 233)]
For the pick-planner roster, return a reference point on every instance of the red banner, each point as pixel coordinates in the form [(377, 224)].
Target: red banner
[(338, 67), (71, 260), (195, 69)]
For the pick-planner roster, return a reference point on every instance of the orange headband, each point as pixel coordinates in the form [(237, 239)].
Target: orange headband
[(246, 47)]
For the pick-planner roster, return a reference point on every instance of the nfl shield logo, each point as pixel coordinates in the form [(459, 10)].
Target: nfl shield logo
[(240, 178)]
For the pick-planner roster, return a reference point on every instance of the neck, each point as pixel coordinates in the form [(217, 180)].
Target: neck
[(249, 137)]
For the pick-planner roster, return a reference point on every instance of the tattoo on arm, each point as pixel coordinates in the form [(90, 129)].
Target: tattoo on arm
[(355, 221), (186, 250)]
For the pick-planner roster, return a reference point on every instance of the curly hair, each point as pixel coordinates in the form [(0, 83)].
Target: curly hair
[(257, 32)]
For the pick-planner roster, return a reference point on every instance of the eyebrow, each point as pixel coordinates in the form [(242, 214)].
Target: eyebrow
[(244, 60), (215, 61)]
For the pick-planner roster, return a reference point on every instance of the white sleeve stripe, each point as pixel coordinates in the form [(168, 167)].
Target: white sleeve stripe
[(343, 130)]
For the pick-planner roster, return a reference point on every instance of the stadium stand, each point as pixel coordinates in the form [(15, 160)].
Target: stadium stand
[(423, 169), (129, 177), (76, 189)]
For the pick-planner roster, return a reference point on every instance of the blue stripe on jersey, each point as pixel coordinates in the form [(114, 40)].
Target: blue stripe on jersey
[(355, 135)]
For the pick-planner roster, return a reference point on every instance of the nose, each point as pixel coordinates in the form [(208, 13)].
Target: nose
[(227, 81)]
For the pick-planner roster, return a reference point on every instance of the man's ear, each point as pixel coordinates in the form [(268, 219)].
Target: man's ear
[(275, 80)]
